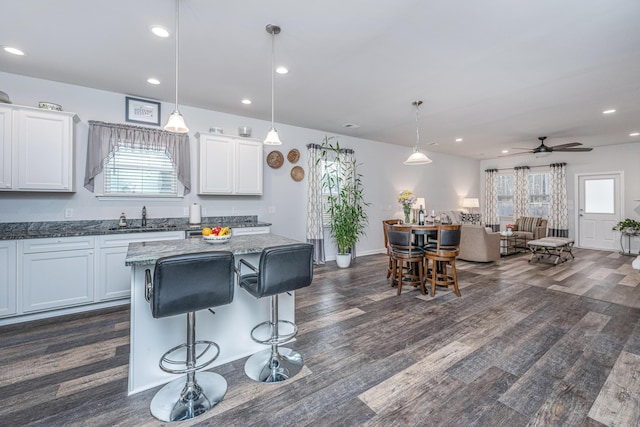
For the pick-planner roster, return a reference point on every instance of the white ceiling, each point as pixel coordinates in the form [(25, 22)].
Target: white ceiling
[(497, 73)]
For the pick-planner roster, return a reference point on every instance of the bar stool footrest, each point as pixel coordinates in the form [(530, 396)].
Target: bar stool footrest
[(166, 362), (275, 340)]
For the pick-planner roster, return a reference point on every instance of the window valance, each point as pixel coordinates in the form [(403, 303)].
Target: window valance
[(105, 138)]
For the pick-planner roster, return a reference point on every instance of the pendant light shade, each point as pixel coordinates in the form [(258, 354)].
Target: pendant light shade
[(176, 123), (176, 120), (272, 136), (417, 157)]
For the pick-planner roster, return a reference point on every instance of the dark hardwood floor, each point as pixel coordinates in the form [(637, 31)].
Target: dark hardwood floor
[(526, 344)]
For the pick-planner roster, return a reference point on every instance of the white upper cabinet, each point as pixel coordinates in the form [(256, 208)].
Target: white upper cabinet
[(37, 151), (229, 165), (5, 147)]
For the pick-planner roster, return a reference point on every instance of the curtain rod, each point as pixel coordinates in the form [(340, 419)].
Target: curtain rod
[(530, 167)]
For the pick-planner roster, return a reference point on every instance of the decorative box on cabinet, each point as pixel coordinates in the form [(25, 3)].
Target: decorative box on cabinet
[(229, 165), (36, 149), (8, 283), (56, 272), (114, 277)]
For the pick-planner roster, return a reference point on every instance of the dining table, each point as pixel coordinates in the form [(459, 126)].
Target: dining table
[(419, 231)]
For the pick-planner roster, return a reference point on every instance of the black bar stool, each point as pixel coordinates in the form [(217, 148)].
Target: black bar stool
[(185, 284), (281, 269)]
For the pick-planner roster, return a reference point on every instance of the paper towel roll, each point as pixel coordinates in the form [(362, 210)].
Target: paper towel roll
[(194, 214)]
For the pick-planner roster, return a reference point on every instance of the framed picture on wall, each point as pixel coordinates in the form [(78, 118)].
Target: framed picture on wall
[(142, 111)]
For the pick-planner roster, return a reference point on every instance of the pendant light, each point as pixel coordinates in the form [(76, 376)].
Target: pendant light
[(176, 121), (417, 157), (272, 136)]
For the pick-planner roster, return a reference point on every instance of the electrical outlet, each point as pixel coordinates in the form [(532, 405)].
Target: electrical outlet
[(234, 210), (68, 213), (204, 211), (185, 211), (272, 209)]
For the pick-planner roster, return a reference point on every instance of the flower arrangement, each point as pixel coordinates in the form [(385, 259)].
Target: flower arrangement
[(406, 198), (509, 227)]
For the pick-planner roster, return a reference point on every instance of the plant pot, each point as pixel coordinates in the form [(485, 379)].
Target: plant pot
[(343, 261)]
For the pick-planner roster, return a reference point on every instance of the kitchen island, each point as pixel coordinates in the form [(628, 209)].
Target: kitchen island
[(230, 326)]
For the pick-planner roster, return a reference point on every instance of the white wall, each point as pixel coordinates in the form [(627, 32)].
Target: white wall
[(613, 158), (443, 183)]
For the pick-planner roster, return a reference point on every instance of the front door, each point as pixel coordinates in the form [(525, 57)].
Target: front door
[(599, 210)]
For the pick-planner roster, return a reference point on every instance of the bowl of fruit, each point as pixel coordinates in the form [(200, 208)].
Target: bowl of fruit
[(216, 234)]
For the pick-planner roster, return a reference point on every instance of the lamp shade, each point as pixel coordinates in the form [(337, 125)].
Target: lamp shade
[(272, 138), (176, 123), (417, 158), (470, 202)]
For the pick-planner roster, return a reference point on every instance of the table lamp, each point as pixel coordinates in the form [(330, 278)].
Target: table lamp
[(470, 203)]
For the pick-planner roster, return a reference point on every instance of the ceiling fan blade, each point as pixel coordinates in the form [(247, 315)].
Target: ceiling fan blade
[(571, 144), (573, 149), (520, 148), (517, 154)]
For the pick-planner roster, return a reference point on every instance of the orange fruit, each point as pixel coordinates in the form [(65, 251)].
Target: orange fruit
[(206, 231)]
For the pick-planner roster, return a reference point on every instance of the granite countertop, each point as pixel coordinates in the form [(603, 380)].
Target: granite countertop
[(145, 253), (39, 230)]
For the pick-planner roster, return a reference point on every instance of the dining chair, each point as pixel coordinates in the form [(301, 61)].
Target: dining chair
[(385, 224), (443, 256), (407, 260)]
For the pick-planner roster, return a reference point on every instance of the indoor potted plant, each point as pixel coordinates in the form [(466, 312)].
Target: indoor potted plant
[(628, 226), (346, 204)]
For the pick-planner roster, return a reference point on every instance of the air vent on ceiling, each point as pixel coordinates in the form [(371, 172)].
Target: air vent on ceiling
[(350, 126)]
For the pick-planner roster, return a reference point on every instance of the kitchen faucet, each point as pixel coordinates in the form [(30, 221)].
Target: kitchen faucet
[(144, 216)]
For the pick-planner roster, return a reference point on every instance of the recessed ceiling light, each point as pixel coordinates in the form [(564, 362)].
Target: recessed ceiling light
[(505, 151), (634, 134), (160, 31), (246, 101), (282, 70), (611, 111), (153, 81), (13, 50), (432, 143), (458, 139), (350, 126)]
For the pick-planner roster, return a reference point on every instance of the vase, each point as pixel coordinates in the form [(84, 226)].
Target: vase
[(343, 261), (407, 212)]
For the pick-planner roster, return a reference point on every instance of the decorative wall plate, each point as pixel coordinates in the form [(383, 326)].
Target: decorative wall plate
[(293, 156), (297, 173), (275, 159)]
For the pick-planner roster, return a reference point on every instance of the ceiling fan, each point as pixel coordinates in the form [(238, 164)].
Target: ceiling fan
[(544, 150)]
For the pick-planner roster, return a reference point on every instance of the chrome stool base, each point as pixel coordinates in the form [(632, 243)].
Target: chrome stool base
[(267, 366), (179, 400)]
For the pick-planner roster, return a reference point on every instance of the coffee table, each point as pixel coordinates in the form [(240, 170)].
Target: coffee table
[(510, 245)]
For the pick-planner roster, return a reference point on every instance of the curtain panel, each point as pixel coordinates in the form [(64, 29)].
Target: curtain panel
[(558, 209), (491, 214), (105, 138), (315, 230), (521, 192)]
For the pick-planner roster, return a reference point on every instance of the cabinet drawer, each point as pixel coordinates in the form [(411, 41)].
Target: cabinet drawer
[(57, 244), (118, 240)]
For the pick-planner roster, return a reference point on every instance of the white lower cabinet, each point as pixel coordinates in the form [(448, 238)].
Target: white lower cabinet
[(8, 283), (44, 275), (114, 277), (57, 273)]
